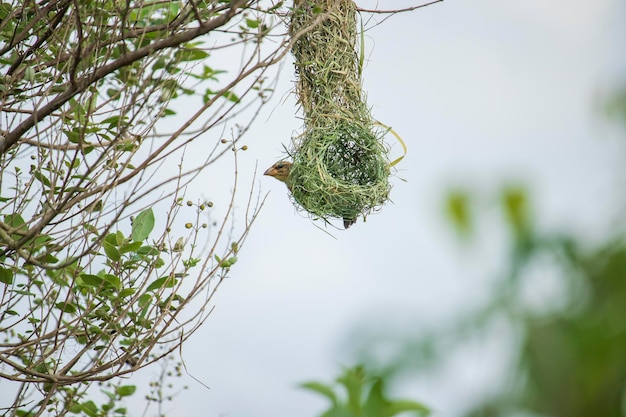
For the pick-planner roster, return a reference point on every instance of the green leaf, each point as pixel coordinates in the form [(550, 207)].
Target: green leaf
[(91, 280), (6, 276), (354, 380), (111, 238), (515, 205), (113, 121), (144, 300), (119, 238), (40, 240), (459, 212), (252, 23), (126, 390), (159, 63), (208, 93), (5, 9), (148, 251), (401, 406), (22, 292), (376, 403), (14, 220), (191, 262), (130, 247), (113, 93), (97, 281), (47, 258), (191, 54), (72, 136), (226, 263), (29, 74), (322, 389), (90, 408), (113, 281), (66, 307), (143, 225), (127, 292), (163, 282), (230, 96), (111, 251)]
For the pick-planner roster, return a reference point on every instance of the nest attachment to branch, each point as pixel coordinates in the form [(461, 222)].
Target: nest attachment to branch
[(340, 163)]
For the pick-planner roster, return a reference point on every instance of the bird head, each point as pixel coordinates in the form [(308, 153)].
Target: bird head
[(280, 170)]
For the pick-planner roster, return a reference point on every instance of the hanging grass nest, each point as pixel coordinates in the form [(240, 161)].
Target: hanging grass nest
[(340, 162)]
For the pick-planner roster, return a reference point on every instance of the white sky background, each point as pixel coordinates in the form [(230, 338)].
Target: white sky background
[(483, 92)]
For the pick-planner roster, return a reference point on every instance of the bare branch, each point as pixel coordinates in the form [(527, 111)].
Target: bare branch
[(394, 11)]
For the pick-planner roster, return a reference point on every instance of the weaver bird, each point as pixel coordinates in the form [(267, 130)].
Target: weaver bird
[(281, 169)]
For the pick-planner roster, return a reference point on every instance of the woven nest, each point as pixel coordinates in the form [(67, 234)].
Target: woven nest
[(340, 163)]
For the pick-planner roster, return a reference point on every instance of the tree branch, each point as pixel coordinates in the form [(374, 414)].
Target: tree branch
[(82, 83), (407, 9)]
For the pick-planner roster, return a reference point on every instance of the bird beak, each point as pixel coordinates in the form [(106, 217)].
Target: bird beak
[(271, 171)]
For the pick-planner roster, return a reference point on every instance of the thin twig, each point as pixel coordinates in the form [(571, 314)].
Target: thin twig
[(407, 9)]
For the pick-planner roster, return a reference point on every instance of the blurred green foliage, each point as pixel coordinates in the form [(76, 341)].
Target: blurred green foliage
[(570, 346), (571, 360), (457, 209), (615, 106), (364, 396)]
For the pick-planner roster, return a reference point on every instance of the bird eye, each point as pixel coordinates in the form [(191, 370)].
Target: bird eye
[(279, 166)]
